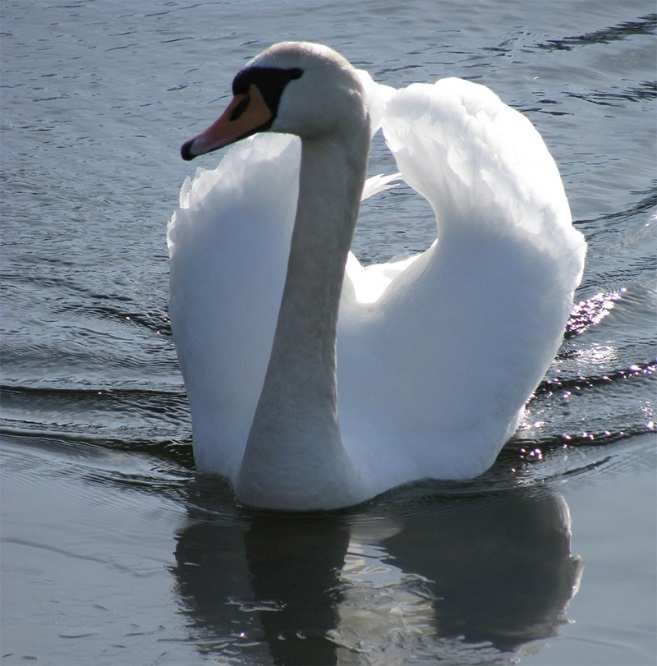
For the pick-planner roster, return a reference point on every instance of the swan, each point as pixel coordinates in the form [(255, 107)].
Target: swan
[(314, 382)]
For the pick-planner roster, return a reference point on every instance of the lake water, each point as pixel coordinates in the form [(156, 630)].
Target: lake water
[(115, 552)]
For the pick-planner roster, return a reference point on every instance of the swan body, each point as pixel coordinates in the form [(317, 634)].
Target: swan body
[(317, 383)]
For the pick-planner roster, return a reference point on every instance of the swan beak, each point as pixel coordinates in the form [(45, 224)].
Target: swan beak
[(247, 114)]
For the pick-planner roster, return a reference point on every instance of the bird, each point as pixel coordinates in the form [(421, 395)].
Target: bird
[(316, 383)]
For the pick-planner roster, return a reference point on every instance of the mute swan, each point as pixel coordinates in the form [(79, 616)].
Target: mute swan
[(436, 354)]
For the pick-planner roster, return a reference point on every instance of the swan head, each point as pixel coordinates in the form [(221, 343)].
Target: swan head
[(296, 88)]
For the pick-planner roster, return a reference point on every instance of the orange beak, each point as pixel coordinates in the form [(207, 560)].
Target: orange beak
[(246, 114)]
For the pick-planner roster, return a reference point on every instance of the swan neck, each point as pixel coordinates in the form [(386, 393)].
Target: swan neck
[(295, 428), (329, 195)]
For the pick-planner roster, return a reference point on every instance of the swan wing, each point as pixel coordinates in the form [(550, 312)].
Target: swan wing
[(229, 242), (438, 354)]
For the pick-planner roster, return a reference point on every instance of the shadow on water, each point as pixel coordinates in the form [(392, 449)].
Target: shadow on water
[(431, 573)]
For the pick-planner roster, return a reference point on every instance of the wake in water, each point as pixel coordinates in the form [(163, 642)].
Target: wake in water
[(157, 422)]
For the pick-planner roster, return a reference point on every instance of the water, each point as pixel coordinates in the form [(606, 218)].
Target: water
[(115, 552)]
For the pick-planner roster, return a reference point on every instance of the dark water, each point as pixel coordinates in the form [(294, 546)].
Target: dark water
[(115, 552)]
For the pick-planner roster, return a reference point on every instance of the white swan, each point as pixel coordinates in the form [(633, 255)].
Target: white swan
[(436, 354)]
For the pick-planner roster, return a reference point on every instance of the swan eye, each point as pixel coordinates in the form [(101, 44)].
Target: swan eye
[(240, 108), (270, 81)]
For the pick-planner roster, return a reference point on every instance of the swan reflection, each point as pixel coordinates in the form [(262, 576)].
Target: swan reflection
[(432, 576)]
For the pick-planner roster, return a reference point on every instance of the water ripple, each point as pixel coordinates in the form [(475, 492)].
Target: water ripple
[(644, 25)]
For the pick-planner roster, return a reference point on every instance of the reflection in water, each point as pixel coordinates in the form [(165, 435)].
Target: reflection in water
[(287, 598), (499, 566), (298, 564), (489, 572)]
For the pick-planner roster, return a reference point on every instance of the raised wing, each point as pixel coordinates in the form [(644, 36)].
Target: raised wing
[(229, 242), (437, 367)]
